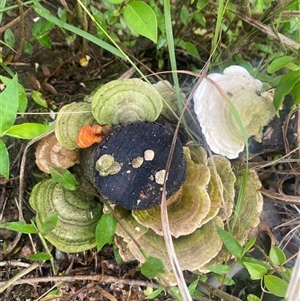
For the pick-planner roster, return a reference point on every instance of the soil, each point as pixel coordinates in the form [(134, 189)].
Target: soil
[(58, 75)]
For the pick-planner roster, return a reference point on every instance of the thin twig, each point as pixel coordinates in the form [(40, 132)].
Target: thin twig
[(16, 278), (281, 198), (13, 22), (14, 263), (96, 278), (217, 292), (267, 30)]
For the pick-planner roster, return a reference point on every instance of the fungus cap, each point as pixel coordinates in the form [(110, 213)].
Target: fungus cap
[(222, 133), (125, 177), (51, 152)]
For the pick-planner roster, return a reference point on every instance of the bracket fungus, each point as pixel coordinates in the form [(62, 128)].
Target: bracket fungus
[(213, 102), (128, 168), (90, 134), (70, 119), (78, 215), (129, 165), (127, 100), (194, 213), (51, 152)]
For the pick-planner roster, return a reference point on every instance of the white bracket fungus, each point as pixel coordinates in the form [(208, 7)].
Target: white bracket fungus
[(211, 103)]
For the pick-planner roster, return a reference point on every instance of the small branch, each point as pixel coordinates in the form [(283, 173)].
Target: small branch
[(16, 278), (217, 292), (96, 278), (281, 198), (13, 22), (267, 30), (14, 263)]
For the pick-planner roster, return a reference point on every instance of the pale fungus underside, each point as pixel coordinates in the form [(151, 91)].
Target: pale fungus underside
[(130, 165), (193, 250), (212, 101), (51, 152)]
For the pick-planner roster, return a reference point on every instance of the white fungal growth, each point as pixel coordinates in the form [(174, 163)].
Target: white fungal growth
[(149, 155), (211, 103), (106, 165), (160, 176), (137, 162)]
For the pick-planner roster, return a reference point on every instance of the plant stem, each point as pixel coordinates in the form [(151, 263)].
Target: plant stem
[(22, 31)]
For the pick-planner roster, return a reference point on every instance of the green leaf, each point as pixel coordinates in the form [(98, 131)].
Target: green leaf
[(39, 256), (226, 281), (155, 293), (256, 261), (9, 38), (39, 9), (296, 94), (249, 245), (200, 18), (49, 224), (28, 130), (184, 15), (39, 99), (46, 28), (252, 297), (28, 48), (152, 267), (62, 14), (36, 28), (142, 19), (21, 92), (117, 255), (45, 41), (19, 227), (275, 285), (105, 230), (115, 1), (2, 5), (220, 269), (255, 270), (277, 256), (190, 48), (279, 63), (63, 177), (284, 87), (202, 4), (232, 245), (9, 102), (4, 160), (292, 66), (192, 287)]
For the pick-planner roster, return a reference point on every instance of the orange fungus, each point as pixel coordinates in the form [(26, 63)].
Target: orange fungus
[(89, 134)]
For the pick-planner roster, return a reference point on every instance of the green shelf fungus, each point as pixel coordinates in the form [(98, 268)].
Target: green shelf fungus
[(78, 215)]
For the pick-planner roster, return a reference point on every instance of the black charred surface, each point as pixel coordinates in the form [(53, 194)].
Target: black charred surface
[(136, 188)]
